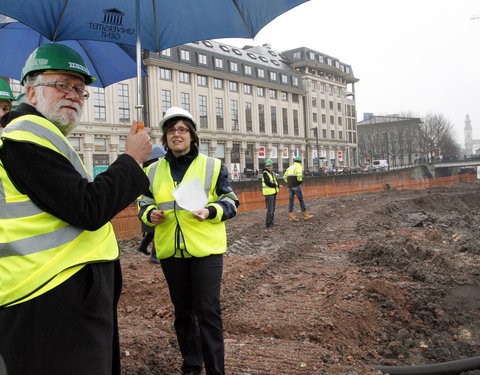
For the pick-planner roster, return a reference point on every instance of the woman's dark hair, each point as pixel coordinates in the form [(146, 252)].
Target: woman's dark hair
[(187, 122)]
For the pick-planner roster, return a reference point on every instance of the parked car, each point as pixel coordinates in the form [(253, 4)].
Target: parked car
[(366, 168), (324, 171), (356, 169), (347, 169), (331, 171)]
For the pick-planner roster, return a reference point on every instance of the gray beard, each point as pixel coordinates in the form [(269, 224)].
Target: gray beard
[(52, 113)]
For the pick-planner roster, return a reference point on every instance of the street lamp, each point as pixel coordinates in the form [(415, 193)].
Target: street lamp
[(315, 132)]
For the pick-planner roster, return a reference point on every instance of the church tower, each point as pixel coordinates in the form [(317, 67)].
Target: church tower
[(468, 136)]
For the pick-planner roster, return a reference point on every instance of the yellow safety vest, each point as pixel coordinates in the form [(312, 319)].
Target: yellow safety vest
[(267, 190), (39, 251), (180, 234), (295, 170)]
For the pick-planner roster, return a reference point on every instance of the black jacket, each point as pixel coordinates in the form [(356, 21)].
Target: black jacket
[(54, 185)]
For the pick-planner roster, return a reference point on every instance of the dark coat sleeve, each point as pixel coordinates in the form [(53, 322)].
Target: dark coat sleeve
[(223, 187), (54, 185)]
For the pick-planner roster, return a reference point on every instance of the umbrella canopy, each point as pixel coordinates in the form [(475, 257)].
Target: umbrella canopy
[(157, 152), (153, 25), (162, 23), (19, 40)]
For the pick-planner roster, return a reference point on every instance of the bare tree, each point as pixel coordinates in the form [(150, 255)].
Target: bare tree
[(436, 137)]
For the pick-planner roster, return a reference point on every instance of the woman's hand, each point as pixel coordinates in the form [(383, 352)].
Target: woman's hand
[(201, 214), (157, 216)]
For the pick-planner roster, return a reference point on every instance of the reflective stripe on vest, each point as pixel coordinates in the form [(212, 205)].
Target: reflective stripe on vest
[(180, 234), (38, 251)]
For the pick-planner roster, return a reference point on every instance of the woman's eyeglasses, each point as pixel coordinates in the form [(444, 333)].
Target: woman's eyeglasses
[(180, 130)]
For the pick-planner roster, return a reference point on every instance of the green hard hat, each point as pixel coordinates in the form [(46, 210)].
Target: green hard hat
[(268, 162), (297, 158), (5, 90), (54, 56)]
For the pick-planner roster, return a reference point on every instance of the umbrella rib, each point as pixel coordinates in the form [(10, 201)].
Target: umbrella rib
[(57, 25), (247, 25), (89, 57), (154, 3)]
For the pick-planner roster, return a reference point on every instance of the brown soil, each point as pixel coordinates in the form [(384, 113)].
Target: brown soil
[(389, 278)]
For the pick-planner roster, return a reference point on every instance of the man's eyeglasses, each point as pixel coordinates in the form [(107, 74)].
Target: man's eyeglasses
[(67, 89), (180, 130)]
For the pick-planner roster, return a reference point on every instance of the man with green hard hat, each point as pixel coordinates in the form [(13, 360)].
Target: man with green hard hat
[(59, 269), (293, 176), (6, 97), (270, 189)]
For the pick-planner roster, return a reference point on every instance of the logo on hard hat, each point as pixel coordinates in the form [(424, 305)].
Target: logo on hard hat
[(79, 67), (4, 93)]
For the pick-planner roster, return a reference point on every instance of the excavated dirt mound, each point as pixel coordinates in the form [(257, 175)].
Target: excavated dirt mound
[(389, 278)]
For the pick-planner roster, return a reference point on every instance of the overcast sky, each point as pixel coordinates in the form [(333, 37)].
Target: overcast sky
[(421, 56)]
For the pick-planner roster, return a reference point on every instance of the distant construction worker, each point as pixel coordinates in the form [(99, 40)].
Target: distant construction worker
[(293, 177), (270, 189), (6, 97)]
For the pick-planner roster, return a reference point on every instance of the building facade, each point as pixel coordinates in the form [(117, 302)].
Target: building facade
[(330, 111), (393, 138), (251, 104)]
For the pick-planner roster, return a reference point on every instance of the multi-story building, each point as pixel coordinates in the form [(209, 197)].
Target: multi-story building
[(330, 113), (251, 103)]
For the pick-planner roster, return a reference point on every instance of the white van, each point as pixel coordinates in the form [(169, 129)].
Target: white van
[(380, 165)]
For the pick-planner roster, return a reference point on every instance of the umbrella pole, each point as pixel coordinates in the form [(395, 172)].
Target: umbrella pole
[(139, 105)]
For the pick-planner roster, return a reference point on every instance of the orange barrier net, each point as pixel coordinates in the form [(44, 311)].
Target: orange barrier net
[(127, 224)]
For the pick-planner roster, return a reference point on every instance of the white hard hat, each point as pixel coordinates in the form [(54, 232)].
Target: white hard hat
[(177, 112)]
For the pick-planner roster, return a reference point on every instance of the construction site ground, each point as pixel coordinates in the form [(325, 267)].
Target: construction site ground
[(389, 278)]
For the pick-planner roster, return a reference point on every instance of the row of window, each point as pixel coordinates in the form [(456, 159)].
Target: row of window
[(219, 84), (322, 88), (185, 103), (234, 67), (185, 77), (349, 109), (310, 55)]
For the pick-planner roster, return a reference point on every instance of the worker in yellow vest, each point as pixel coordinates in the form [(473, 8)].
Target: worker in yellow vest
[(270, 189), (60, 276), (190, 240), (293, 176)]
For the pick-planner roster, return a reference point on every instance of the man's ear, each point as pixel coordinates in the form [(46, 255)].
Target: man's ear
[(32, 95)]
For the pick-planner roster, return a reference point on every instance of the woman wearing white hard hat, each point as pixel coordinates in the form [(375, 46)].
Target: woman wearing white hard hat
[(191, 244)]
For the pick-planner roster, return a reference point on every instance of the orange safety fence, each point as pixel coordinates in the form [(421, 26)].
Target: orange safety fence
[(127, 224)]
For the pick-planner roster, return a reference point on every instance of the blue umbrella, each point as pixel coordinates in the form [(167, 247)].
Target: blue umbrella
[(157, 152), (154, 24), (20, 40), (162, 23)]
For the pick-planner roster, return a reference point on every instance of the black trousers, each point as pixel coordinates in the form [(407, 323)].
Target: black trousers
[(194, 285), (146, 240), (270, 201), (72, 329)]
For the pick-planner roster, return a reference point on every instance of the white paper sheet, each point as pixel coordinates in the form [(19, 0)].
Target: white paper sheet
[(190, 196)]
